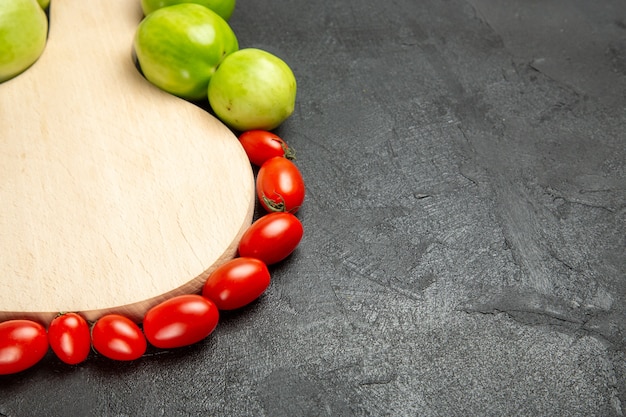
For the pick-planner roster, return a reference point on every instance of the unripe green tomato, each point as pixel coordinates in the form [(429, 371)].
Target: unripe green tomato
[(179, 47), (23, 33), (252, 89), (224, 8)]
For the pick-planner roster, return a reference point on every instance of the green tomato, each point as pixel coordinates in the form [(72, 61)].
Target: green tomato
[(224, 8), (252, 89), (23, 33), (179, 48)]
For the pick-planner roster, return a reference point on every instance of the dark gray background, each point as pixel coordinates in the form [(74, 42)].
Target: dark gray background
[(465, 226)]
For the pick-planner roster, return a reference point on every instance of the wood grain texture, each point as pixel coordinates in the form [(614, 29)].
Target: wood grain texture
[(115, 195)]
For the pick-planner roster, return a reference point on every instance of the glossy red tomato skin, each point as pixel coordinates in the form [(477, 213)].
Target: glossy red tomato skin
[(119, 338), (70, 338), (271, 238), (261, 145), (23, 343), (280, 186), (237, 283), (180, 321)]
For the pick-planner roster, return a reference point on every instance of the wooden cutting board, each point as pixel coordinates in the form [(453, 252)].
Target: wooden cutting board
[(114, 194)]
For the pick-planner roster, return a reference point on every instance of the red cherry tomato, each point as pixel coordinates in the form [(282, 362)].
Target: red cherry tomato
[(237, 283), (23, 343), (271, 238), (180, 321), (279, 185), (119, 338), (261, 145), (69, 338)]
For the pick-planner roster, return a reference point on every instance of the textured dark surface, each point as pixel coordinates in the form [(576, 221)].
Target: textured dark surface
[(464, 252)]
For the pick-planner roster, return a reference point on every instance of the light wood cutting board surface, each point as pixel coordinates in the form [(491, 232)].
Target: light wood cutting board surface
[(115, 195)]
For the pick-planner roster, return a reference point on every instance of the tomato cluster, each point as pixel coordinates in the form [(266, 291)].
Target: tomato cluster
[(184, 319)]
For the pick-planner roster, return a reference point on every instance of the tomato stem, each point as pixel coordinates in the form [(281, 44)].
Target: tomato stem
[(272, 205), (289, 152)]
